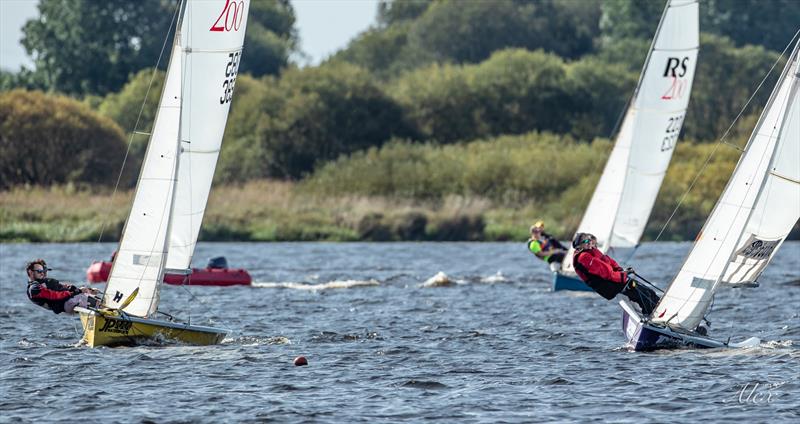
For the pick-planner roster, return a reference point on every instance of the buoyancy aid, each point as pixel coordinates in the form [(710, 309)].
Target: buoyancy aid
[(604, 287), (49, 293)]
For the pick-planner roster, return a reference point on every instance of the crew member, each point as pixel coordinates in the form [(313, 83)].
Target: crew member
[(545, 246), (51, 294), (606, 277)]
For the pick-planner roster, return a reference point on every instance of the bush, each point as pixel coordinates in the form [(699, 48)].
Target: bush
[(47, 140)]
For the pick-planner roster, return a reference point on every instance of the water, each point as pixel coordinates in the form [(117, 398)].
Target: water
[(495, 346)]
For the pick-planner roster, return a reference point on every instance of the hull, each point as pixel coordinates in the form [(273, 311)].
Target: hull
[(110, 328), (98, 273), (567, 282), (643, 337)]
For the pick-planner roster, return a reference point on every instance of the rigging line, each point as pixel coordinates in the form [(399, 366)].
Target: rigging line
[(722, 139), (135, 126)]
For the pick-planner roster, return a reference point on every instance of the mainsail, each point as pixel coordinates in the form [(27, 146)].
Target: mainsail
[(176, 174), (624, 196), (753, 216)]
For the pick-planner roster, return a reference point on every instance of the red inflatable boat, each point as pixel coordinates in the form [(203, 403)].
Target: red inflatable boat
[(216, 274)]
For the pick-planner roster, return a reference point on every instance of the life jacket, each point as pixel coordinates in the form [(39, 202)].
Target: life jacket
[(49, 294), (607, 289), (543, 245)]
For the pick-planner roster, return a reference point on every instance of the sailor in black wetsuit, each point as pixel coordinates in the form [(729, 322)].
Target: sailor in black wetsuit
[(51, 294)]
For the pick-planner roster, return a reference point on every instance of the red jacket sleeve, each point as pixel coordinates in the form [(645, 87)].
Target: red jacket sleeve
[(612, 262), (42, 292), (598, 267)]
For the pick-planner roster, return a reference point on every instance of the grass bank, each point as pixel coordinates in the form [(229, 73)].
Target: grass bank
[(487, 190)]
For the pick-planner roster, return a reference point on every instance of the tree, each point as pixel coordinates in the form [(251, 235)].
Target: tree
[(48, 140), (630, 19), (725, 78), (82, 47), (769, 24), (412, 34), (391, 12), (317, 114), (471, 31), (270, 39)]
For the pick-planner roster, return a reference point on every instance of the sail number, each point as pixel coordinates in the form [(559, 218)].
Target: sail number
[(671, 134), (231, 70), (233, 13)]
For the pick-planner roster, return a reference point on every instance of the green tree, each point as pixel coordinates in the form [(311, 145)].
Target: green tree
[(391, 12), (770, 24), (415, 34), (316, 114), (270, 39), (87, 47), (471, 31), (48, 140), (630, 19), (81, 47), (725, 78), (241, 157)]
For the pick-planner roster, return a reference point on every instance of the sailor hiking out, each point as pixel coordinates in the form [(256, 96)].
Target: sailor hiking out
[(54, 295), (604, 275), (545, 246)]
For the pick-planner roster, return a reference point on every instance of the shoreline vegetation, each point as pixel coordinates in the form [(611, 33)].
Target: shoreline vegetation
[(400, 192), (447, 120)]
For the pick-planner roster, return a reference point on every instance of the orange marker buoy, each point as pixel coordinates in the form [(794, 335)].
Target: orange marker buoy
[(300, 361)]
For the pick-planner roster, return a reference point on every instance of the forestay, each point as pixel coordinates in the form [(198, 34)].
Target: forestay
[(624, 196), (754, 214), (173, 187)]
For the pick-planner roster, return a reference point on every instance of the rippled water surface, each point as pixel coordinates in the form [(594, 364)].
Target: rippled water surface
[(496, 345)]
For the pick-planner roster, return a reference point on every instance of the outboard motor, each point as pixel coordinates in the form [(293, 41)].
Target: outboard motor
[(218, 262)]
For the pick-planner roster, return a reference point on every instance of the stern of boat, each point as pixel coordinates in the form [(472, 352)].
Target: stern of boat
[(568, 282)]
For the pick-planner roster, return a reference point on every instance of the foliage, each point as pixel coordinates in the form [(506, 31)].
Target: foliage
[(316, 114), (130, 111), (725, 79), (414, 34), (85, 47), (270, 39), (81, 46), (394, 11), (54, 140), (513, 92), (770, 25), (622, 19), (508, 169)]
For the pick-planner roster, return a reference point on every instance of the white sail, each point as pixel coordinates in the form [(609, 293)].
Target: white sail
[(140, 256), (213, 39), (754, 214), (175, 180), (624, 197)]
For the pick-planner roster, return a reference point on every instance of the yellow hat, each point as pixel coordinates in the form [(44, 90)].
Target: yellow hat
[(539, 224)]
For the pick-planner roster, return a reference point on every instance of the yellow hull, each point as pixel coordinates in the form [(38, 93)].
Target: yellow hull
[(110, 328)]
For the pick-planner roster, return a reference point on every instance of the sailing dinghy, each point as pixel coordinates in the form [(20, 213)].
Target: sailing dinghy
[(172, 191), (624, 196), (750, 221)]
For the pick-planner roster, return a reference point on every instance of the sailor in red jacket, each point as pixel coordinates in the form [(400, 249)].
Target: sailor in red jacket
[(606, 277), (51, 294)]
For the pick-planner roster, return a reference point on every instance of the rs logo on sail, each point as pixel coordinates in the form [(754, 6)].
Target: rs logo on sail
[(116, 326), (676, 69)]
